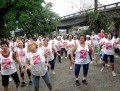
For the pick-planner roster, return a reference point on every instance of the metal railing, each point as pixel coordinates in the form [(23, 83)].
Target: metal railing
[(105, 7)]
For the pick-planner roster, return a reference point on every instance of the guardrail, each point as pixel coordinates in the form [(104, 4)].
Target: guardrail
[(105, 7)]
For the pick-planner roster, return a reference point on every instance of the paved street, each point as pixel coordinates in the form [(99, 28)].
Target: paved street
[(64, 79)]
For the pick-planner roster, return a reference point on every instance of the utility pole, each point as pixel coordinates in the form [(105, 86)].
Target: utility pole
[(95, 12), (95, 5)]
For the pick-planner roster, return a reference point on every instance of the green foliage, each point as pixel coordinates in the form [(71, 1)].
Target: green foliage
[(32, 17), (99, 20)]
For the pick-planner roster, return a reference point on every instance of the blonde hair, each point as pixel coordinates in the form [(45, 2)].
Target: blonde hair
[(34, 43)]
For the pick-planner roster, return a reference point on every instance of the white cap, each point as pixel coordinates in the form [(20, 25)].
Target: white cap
[(102, 30), (58, 37), (87, 35)]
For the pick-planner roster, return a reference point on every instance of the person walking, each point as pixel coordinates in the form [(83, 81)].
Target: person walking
[(37, 63), (81, 50)]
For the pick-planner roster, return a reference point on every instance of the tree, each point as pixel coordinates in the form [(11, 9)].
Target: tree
[(99, 20), (29, 14), (45, 21)]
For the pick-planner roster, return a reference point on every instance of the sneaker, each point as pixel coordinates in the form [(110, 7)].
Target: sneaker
[(22, 84), (102, 69), (53, 72), (91, 62), (77, 83), (107, 65), (30, 82), (100, 60), (70, 67), (84, 82), (10, 79), (61, 57), (60, 62), (113, 73)]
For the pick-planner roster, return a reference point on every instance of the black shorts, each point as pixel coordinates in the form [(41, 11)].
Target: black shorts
[(69, 56), (5, 79), (111, 57)]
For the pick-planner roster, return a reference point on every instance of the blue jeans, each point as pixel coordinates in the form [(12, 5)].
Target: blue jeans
[(90, 55), (52, 64), (59, 57), (36, 79), (85, 69)]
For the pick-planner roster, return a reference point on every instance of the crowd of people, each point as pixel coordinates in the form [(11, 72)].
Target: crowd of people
[(37, 56)]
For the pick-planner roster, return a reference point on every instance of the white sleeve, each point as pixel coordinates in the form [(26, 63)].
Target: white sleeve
[(27, 56)]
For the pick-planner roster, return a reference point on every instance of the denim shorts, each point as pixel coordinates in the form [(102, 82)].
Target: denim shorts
[(36, 79)]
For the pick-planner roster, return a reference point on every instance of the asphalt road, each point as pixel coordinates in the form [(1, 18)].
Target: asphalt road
[(64, 79)]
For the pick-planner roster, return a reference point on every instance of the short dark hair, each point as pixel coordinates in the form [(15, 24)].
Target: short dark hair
[(4, 42), (82, 35)]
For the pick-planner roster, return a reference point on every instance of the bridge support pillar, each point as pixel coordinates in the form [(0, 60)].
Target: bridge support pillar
[(67, 31), (57, 31)]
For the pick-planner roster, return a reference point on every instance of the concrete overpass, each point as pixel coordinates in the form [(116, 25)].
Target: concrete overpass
[(80, 19)]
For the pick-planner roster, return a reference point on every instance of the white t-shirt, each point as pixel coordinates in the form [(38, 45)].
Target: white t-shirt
[(39, 43), (10, 46), (49, 52), (94, 39), (22, 55), (63, 43), (7, 64), (109, 49), (102, 42), (70, 45), (15, 46), (59, 45), (81, 54), (26, 45), (37, 62)]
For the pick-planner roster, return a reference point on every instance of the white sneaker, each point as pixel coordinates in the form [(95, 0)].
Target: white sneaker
[(61, 57), (70, 67), (107, 65), (65, 57), (102, 69), (91, 62), (10, 79), (113, 73), (100, 61), (53, 72)]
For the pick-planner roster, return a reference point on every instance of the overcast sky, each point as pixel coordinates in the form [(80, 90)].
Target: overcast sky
[(65, 7)]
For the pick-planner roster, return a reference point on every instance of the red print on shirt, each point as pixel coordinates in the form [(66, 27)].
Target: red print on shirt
[(83, 53), (22, 53), (6, 63), (70, 45), (47, 51), (108, 46), (0, 51), (36, 59)]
